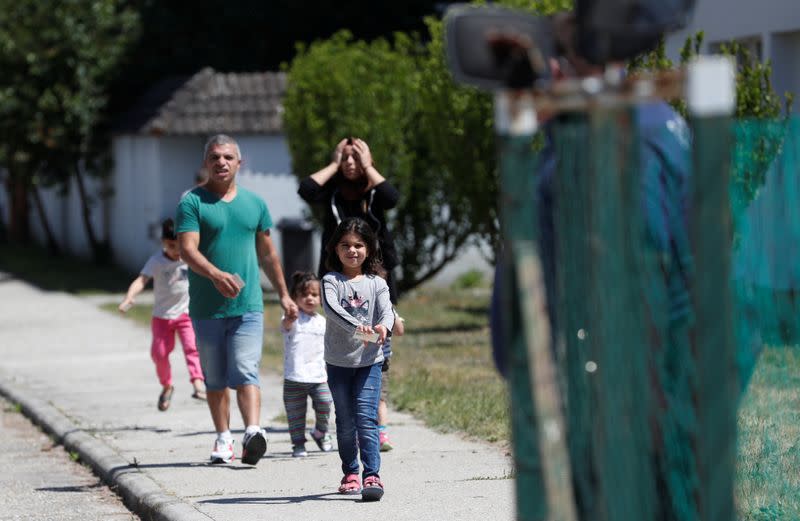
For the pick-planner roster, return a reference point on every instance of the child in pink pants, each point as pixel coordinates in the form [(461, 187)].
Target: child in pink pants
[(170, 313)]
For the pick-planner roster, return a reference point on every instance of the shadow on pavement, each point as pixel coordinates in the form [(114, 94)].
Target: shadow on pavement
[(103, 430), (278, 500), (72, 488), (201, 433), (234, 465), (235, 432)]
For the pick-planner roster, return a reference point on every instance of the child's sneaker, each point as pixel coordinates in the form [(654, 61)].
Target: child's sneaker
[(254, 445), (383, 439), (223, 451), (299, 451), (322, 439)]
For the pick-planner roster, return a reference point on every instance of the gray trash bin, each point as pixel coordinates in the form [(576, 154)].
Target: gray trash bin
[(296, 246)]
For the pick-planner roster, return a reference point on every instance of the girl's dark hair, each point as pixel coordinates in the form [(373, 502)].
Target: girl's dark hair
[(168, 230), (373, 264), (300, 281)]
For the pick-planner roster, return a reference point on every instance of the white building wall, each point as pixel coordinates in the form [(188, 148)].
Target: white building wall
[(775, 23), (785, 50), (136, 202)]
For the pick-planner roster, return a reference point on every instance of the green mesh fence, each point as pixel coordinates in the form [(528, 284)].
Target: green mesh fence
[(765, 202), (667, 288)]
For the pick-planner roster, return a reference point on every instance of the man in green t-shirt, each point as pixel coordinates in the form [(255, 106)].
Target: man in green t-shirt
[(224, 235)]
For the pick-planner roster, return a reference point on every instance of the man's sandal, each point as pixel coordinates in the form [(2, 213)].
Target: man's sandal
[(164, 398), (373, 489), (349, 485)]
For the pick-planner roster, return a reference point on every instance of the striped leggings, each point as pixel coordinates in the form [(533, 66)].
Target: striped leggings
[(295, 399)]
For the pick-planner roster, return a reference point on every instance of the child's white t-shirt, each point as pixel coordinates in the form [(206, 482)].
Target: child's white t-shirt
[(170, 285), (304, 349)]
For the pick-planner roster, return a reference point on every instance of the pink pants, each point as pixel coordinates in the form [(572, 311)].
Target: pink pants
[(164, 342)]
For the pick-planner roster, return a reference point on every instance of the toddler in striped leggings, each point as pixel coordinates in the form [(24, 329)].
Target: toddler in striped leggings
[(304, 366)]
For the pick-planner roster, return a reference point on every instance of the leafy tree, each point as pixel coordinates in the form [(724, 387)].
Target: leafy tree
[(57, 61), (432, 137)]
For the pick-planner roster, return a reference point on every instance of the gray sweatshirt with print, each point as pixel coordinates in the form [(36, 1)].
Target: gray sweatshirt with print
[(349, 303)]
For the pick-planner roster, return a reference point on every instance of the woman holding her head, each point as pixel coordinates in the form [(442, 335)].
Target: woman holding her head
[(351, 186)]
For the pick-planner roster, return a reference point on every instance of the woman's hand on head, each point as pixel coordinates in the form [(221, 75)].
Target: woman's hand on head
[(338, 151), (364, 155)]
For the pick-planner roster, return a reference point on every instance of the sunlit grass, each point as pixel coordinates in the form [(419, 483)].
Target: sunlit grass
[(442, 369), (768, 480)]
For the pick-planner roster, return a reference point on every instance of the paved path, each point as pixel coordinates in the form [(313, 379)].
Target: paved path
[(40, 481), (85, 375)]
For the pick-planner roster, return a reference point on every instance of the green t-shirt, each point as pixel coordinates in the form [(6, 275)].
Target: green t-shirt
[(228, 240)]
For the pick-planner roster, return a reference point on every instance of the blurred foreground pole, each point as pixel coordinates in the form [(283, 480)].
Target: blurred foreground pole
[(711, 97), (541, 460)]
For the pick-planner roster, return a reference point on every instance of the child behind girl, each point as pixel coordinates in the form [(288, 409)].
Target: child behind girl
[(170, 314), (304, 366), (359, 317)]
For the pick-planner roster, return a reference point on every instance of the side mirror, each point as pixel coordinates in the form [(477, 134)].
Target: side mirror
[(494, 48), (616, 30)]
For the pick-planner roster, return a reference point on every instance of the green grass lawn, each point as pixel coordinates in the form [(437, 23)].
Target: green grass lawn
[(768, 484), (442, 373)]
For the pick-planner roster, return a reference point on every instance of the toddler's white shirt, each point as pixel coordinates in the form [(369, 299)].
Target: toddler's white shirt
[(304, 349)]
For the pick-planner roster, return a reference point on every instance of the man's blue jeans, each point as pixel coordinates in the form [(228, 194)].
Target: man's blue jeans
[(356, 392)]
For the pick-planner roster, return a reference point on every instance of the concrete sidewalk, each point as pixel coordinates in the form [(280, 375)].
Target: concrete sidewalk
[(85, 375)]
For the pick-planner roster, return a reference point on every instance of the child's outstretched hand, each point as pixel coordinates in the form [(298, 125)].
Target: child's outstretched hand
[(382, 332), (364, 332), (125, 305)]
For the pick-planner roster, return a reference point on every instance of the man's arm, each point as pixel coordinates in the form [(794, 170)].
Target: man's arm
[(190, 253), (269, 262)]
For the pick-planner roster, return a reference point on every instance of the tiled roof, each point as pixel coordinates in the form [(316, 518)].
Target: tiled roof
[(210, 102)]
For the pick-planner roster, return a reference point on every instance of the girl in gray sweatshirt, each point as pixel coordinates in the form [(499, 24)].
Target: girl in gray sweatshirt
[(359, 318)]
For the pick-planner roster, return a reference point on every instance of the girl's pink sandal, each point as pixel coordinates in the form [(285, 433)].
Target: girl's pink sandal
[(373, 489), (349, 485)]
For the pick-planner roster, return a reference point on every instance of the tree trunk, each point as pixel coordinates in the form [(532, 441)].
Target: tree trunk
[(100, 250), (19, 224), (52, 244)]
